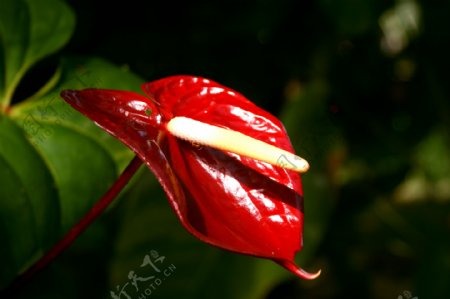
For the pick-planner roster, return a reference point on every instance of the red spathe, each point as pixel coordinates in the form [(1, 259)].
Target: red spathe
[(224, 199)]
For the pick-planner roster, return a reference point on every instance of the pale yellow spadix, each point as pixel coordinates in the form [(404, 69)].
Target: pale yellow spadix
[(235, 142)]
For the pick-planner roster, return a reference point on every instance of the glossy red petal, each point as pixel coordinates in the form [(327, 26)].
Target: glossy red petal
[(241, 204), (210, 102), (134, 120), (128, 116), (235, 207), (167, 92), (229, 201)]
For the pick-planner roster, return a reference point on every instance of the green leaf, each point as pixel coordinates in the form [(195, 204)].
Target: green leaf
[(77, 151), (52, 24), (14, 24), (76, 162), (29, 207), (191, 269), (54, 164), (78, 73), (29, 31)]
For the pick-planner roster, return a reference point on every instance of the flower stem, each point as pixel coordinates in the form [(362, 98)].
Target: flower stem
[(76, 230)]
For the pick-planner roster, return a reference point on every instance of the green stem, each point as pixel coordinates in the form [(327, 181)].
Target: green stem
[(76, 230), (11, 88)]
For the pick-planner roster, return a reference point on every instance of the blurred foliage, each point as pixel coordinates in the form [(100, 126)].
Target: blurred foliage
[(360, 86)]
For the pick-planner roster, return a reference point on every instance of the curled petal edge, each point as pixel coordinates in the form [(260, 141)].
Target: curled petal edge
[(298, 271)]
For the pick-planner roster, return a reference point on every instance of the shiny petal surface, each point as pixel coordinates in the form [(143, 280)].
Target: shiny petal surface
[(224, 199), (209, 102), (235, 207), (252, 207), (132, 118)]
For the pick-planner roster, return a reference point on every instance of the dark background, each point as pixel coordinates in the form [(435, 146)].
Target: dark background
[(373, 120)]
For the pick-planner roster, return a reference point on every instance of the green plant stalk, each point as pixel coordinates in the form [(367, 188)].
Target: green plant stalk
[(76, 230), (11, 88), (51, 83)]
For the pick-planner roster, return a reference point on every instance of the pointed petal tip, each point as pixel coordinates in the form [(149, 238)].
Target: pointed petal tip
[(299, 271), (66, 92), (69, 95), (306, 275)]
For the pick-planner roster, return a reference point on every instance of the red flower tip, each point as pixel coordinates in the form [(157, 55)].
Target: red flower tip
[(298, 271)]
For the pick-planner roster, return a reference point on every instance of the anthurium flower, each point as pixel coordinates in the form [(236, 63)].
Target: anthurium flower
[(226, 165)]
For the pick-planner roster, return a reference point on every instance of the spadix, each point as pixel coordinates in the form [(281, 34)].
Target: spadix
[(235, 142)]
